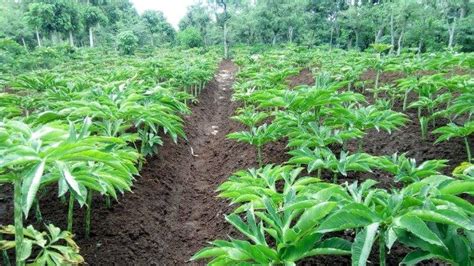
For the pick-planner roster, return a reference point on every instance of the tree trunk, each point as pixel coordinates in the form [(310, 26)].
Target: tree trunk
[(399, 50), (379, 34), (152, 41), (226, 45), (331, 36), (71, 39), (274, 39), (38, 39), (91, 38), (392, 33), (24, 44), (451, 31), (420, 46), (357, 39), (53, 37), (290, 34)]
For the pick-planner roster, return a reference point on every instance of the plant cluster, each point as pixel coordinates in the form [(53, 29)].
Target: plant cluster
[(86, 128), (285, 214)]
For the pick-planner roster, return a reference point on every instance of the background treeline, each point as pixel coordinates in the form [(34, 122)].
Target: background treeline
[(81, 23), (422, 25)]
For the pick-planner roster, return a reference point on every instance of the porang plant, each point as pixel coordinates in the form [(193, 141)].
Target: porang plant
[(430, 216), (32, 158), (280, 227), (53, 247), (258, 137), (454, 131)]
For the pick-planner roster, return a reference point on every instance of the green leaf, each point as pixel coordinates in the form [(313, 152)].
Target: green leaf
[(363, 244), (351, 216), (458, 187), (416, 226), (313, 215), (71, 181), (444, 217), (415, 257), (208, 252), (30, 186)]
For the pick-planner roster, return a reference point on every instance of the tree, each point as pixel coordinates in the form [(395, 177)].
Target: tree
[(223, 19), (156, 23), (190, 37), (197, 16), (127, 42), (13, 23), (93, 16), (71, 19), (38, 17)]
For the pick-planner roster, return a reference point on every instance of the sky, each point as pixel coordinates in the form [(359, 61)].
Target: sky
[(174, 10)]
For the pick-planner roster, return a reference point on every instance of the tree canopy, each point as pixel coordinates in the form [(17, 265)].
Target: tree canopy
[(425, 25)]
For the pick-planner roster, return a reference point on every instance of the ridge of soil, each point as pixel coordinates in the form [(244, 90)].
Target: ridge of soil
[(174, 211), (305, 77)]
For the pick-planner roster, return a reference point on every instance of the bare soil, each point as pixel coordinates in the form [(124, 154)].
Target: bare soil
[(305, 77)]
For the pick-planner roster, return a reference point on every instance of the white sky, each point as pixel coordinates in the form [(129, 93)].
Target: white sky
[(174, 10)]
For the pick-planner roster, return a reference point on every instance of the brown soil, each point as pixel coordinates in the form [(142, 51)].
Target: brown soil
[(305, 77)]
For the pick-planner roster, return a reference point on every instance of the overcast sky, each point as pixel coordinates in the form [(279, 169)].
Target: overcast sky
[(174, 10)]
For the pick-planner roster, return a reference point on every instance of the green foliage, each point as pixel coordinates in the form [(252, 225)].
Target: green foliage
[(86, 125), (127, 42), (428, 212), (55, 247), (283, 217), (190, 38)]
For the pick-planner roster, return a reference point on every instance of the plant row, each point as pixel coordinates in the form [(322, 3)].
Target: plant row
[(85, 128), (298, 210)]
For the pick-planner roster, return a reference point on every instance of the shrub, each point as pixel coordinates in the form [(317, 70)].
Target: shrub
[(190, 38), (127, 42)]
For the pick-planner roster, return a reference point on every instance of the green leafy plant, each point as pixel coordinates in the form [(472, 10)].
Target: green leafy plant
[(294, 219), (127, 42), (406, 170), (54, 247), (324, 159), (454, 131), (36, 157), (257, 136)]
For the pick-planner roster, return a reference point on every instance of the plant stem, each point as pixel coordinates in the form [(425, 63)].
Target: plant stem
[(38, 215), (360, 145), (88, 213), (377, 76), (5, 259), (18, 221), (381, 249), (63, 200), (319, 172), (108, 204), (405, 100), (468, 149), (70, 212), (334, 178)]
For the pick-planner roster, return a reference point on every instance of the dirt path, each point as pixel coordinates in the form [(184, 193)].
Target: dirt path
[(174, 211)]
